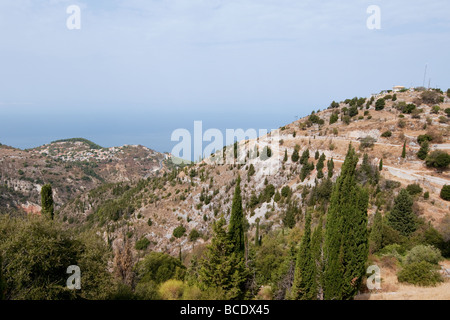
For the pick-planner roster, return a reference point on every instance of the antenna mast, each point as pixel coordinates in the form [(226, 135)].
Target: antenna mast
[(425, 75)]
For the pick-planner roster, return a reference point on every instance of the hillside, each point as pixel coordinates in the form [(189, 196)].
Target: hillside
[(72, 166), (144, 210), (197, 195)]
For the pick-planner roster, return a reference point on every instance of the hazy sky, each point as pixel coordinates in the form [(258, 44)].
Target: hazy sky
[(138, 69)]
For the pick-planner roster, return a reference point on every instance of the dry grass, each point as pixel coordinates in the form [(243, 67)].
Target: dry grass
[(410, 292), (391, 289)]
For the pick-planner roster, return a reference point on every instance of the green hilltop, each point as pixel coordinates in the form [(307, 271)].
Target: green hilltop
[(91, 144)]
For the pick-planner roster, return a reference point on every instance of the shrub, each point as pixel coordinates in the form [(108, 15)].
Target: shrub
[(315, 119), (179, 231), (353, 111), (192, 293), (387, 134), (334, 105), (420, 273), (194, 235), (423, 151), (391, 184), (159, 267), (334, 118), (414, 189), (438, 159), (380, 104), (409, 108), (423, 253), (346, 119), (435, 109), (367, 142), (401, 123), (424, 137), (171, 290), (267, 194), (442, 119), (445, 192), (146, 291), (392, 250), (426, 195), (447, 111), (142, 244), (149, 222), (430, 97)]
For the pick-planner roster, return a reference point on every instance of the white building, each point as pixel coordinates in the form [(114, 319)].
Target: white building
[(398, 88)]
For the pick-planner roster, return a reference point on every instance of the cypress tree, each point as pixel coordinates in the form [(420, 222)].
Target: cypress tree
[(289, 216), (236, 227), (317, 257), (346, 238), (251, 171), (305, 170), (319, 174), (402, 217), (366, 173), (304, 287), (222, 268), (320, 163), (257, 233), (330, 166), (376, 234), (381, 165), (404, 150), (305, 157), (295, 155), (47, 201), (285, 156)]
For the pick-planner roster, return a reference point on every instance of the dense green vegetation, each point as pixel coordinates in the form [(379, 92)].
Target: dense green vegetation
[(37, 251)]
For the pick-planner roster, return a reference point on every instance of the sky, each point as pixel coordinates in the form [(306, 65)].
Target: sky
[(137, 70)]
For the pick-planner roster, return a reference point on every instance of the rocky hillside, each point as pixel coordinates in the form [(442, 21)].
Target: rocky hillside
[(72, 166), (165, 213)]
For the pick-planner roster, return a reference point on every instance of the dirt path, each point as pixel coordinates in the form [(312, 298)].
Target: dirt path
[(412, 175)]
